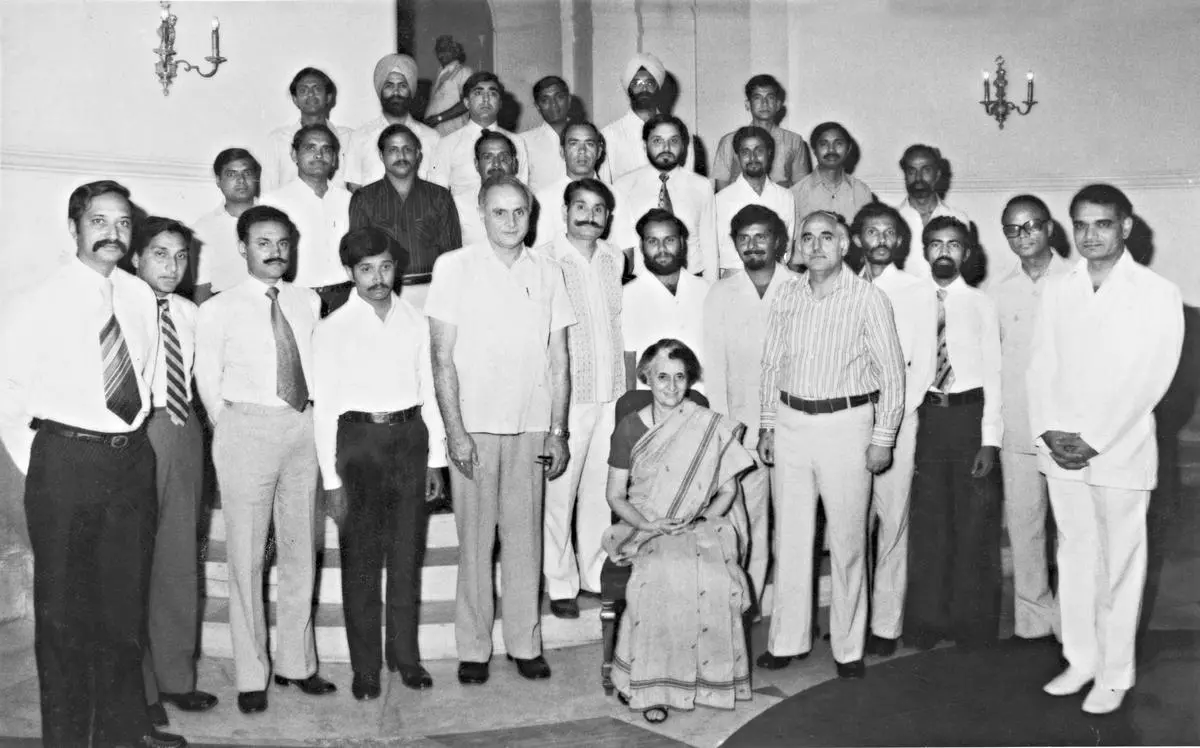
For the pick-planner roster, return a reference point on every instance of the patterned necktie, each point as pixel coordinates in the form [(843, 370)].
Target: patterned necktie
[(120, 384), (664, 197), (289, 373), (945, 374), (177, 400)]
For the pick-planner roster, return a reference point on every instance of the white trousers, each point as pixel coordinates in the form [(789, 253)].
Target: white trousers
[(756, 496), (576, 498), (821, 455), (1102, 571), (1025, 506), (889, 502)]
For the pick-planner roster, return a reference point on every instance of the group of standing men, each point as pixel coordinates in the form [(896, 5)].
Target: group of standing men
[(360, 342)]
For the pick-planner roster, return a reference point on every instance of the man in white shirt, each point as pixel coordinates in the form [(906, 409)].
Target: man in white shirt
[(499, 307), (452, 162), (381, 448), (314, 95), (830, 186), (664, 184), (320, 211), (736, 312), (253, 371), (160, 257), (922, 166), (591, 269), (219, 265), (1028, 227), (642, 79), (553, 101), (755, 153), (665, 301), (954, 517), (395, 81), (495, 156), (881, 235), (1105, 349), (77, 356), (764, 101)]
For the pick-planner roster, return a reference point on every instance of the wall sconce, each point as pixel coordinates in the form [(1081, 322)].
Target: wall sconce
[(167, 65), (1000, 107)]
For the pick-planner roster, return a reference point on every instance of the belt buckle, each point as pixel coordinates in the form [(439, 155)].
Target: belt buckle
[(120, 441), (941, 399)]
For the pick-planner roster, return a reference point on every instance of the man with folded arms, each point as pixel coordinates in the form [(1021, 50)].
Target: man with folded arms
[(381, 448), (831, 399)]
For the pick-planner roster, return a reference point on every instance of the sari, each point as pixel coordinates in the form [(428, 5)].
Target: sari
[(681, 640)]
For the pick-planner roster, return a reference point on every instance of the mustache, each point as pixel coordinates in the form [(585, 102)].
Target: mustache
[(379, 287), (590, 223), (275, 261), (110, 243)]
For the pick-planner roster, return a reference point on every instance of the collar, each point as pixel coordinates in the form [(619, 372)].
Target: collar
[(778, 278), (890, 270), (359, 306), (938, 208), (258, 286), (846, 177), (1123, 267), (844, 278), (1057, 266), (562, 249), (958, 285), (485, 249)]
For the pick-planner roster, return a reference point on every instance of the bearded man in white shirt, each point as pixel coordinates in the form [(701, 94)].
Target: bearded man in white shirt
[(923, 168), (395, 81), (643, 79), (755, 151)]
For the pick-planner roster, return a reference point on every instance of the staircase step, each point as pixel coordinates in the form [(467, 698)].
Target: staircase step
[(441, 534)]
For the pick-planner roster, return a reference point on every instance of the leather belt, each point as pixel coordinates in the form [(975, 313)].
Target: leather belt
[(333, 287), (832, 405), (386, 418), (947, 399), (416, 279), (115, 441)]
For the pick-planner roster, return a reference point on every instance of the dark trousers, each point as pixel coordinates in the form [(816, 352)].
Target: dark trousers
[(383, 470), (332, 297), (953, 530), (91, 513)]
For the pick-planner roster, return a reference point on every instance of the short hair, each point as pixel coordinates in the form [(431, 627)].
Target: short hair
[(675, 349), (764, 81), (82, 196), (499, 137), (229, 155), (658, 215), (562, 139), (262, 214), (753, 131), (396, 129), (754, 213), (445, 41), (1103, 194), (547, 82), (150, 227), (1033, 200), (838, 220), (483, 76), (329, 84), (941, 223), (916, 148), (321, 127), (820, 129), (369, 241), (594, 186), (876, 209), (504, 180), (666, 119)]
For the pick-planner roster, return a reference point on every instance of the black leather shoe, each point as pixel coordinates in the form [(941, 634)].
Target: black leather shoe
[(192, 701), (415, 677), (472, 672), (924, 640), (365, 686), (157, 715), (156, 739), (252, 702), (880, 646), (564, 608), (534, 669), (1026, 641), (769, 661), (856, 669), (313, 685)]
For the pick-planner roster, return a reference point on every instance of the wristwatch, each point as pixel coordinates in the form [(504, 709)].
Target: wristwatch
[(559, 431)]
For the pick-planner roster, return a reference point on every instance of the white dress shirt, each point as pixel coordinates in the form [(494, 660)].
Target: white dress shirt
[(545, 156), (235, 344), (183, 315), (503, 318), (220, 265), (1101, 361), (278, 168), (469, 221), (916, 264), (693, 202), (649, 313), (361, 163), (51, 364), (321, 222), (738, 195), (625, 151), (452, 163), (973, 345), (373, 365), (914, 306)]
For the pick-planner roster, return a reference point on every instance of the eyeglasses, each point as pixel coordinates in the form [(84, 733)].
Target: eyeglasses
[(1013, 230)]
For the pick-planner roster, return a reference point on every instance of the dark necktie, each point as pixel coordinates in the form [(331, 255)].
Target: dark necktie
[(289, 373), (945, 374), (664, 197), (177, 400), (120, 383)]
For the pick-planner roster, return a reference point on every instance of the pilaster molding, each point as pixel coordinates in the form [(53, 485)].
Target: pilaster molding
[(58, 162)]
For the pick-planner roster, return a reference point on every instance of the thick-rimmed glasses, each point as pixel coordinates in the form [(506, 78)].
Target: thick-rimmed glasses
[(1013, 230)]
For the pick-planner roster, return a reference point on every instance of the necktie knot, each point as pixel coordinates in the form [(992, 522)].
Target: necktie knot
[(162, 303), (663, 177), (941, 294), (272, 293)]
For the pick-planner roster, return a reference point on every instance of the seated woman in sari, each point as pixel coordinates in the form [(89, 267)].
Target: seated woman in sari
[(672, 478)]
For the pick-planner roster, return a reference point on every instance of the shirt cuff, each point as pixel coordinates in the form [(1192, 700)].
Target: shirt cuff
[(330, 480), (766, 419), (883, 437)]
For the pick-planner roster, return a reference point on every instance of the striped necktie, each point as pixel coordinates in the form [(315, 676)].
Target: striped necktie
[(945, 374), (177, 400), (121, 394), (664, 197), (289, 372)]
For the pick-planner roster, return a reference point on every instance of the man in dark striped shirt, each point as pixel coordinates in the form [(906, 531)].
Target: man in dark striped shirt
[(419, 215)]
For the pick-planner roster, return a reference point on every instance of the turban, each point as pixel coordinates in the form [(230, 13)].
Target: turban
[(646, 60), (402, 64)]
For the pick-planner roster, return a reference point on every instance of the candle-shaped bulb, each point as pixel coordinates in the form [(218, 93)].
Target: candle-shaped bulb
[(216, 38), (986, 75), (216, 24), (1030, 76)]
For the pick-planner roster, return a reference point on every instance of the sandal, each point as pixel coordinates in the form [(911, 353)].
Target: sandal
[(622, 698), (655, 715)]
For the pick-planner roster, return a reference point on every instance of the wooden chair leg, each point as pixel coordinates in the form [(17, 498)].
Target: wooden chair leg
[(608, 627)]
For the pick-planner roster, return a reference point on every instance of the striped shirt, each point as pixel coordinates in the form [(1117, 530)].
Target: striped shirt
[(842, 345), (425, 223)]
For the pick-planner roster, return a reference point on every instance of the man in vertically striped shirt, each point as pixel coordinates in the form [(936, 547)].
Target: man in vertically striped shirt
[(833, 358)]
